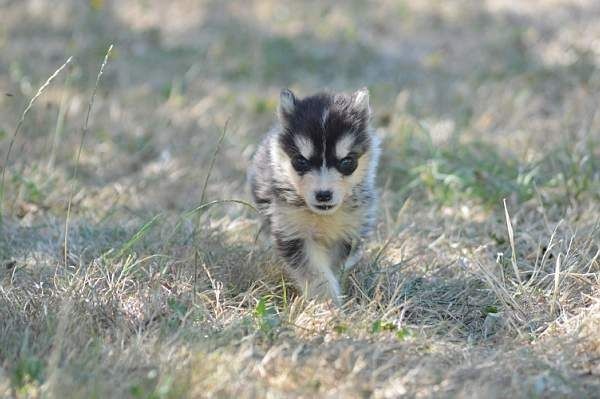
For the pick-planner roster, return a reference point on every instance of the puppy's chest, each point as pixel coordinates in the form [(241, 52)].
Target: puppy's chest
[(301, 223)]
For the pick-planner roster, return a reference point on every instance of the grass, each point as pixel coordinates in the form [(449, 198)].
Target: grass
[(483, 277)]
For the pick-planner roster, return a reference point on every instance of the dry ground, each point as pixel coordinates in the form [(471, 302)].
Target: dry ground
[(153, 297)]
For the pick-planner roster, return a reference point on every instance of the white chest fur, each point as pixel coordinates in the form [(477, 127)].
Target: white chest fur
[(301, 223)]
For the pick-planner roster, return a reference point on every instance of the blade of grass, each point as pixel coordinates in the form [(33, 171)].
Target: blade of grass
[(136, 237), (213, 160), (201, 207), (556, 284), (511, 238)]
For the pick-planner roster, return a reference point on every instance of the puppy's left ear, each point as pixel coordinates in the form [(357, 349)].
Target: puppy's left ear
[(360, 101)]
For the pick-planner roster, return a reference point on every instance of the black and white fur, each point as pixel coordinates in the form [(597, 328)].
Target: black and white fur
[(313, 178)]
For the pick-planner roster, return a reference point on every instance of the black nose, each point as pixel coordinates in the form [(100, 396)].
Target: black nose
[(323, 196)]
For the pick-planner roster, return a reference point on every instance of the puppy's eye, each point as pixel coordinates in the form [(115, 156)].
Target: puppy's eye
[(347, 165), (301, 164)]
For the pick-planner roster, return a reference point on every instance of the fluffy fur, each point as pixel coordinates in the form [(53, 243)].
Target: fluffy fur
[(313, 178)]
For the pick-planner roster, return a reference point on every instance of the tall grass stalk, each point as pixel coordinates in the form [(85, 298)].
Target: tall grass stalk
[(19, 126), (60, 125), (84, 131)]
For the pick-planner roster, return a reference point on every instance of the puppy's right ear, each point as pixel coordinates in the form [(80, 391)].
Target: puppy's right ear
[(287, 104)]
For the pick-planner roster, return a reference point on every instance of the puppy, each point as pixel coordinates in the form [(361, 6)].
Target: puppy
[(313, 179)]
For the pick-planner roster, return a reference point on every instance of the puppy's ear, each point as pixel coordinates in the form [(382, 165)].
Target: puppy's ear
[(287, 104), (360, 101)]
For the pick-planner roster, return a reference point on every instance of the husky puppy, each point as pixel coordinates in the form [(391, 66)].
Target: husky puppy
[(313, 178)]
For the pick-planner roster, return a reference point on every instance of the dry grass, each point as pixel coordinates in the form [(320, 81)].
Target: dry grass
[(483, 279)]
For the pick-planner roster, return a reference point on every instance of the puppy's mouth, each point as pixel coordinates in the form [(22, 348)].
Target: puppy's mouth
[(322, 209)]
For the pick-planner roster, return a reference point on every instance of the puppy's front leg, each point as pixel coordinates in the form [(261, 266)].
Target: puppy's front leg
[(319, 264), (310, 264)]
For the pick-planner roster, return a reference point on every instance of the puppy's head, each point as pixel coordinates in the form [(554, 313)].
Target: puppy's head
[(324, 148)]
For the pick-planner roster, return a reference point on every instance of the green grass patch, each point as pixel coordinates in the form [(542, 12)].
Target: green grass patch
[(455, 171)]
